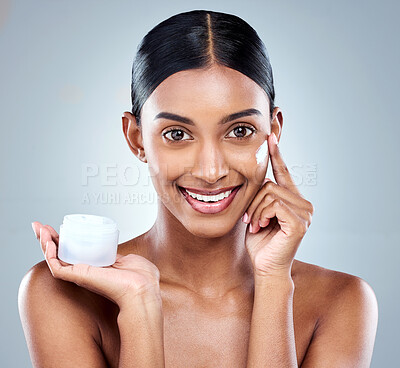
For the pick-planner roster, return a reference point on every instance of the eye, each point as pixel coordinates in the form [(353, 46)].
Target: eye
[(240, 131), (176, 135)]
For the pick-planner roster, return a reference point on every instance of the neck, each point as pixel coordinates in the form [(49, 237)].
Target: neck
[(210, 267)]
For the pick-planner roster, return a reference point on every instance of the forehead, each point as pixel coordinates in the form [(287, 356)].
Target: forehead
[(218, 90)]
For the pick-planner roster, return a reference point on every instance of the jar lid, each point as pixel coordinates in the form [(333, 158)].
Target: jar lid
[(89, 224)]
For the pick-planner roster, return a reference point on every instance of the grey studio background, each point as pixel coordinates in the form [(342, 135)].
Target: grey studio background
[(65, 82)]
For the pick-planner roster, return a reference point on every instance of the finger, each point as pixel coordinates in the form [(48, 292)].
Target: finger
[(284, 193), (36, 225), (304, 212), (279, 168), (268, 198), (84, 275), (289, 222), (54, 235), (271, 229), (256, 200), (255, 216), (118, 257), (301, 213), (44, 237), (58, 269)]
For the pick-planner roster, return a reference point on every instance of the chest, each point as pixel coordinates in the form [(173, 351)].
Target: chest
[(207, 334)]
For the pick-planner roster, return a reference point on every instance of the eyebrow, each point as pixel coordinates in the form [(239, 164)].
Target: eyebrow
[(226, 119)]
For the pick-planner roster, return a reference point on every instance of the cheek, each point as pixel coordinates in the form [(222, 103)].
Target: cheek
[(252, 162), (262, 153), (261, 157), (164, 165)]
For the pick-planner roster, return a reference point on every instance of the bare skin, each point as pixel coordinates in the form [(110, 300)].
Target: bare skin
[(206, 274), (195, 324)]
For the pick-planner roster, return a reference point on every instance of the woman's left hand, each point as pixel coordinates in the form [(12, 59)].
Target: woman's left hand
[(279, 217)]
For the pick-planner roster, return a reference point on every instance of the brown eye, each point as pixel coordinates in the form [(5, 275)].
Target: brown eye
[(176, 134), (240, 131)]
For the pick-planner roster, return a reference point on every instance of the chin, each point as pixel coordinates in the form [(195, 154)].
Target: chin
[(207, 231)]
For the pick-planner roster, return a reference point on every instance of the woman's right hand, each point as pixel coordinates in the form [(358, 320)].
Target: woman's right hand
[(131, 279)]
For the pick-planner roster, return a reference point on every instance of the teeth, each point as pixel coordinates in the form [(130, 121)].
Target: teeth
[(207, 198)]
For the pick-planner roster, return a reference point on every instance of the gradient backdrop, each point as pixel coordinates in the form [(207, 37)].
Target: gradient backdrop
[(65, 81)]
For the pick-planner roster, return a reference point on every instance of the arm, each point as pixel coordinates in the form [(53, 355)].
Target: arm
[(278, 218), (272, 342), (57, 325), (345, 336), (61, 332), (132, 283), (141, 331)]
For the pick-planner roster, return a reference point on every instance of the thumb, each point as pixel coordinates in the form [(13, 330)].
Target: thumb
[(81, 274)]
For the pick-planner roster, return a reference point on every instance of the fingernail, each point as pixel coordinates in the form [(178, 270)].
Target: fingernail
[(245, 217), (251, 228), (274, 138)]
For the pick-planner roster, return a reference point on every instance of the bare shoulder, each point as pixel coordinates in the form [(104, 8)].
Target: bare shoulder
[(38, 286), (57, 317), (347, 316), (328, 284)]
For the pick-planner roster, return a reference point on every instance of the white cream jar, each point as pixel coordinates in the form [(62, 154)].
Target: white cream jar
[(88, 239)]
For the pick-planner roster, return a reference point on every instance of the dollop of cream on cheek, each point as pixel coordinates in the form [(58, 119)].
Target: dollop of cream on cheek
[(262, 152)]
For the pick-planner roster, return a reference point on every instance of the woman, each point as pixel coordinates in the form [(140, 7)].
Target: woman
[(214, 282)]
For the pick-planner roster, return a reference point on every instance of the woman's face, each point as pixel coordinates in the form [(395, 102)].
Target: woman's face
[(211, 152)]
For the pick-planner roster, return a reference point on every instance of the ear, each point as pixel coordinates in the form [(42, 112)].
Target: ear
[(277, 122), (133, 135)]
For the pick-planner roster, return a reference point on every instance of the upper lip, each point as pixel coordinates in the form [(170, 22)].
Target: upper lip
[(210, 192)]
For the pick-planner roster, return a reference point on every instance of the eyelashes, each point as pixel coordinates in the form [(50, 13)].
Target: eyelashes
[(244, 127), (172, 130)]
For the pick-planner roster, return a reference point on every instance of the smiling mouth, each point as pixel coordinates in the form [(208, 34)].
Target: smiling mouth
[(210, 204)]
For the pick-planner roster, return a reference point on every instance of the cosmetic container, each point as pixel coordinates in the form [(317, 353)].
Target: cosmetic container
[(88, 239)]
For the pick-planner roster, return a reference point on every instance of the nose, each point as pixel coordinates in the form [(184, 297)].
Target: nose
[(210, 162)]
